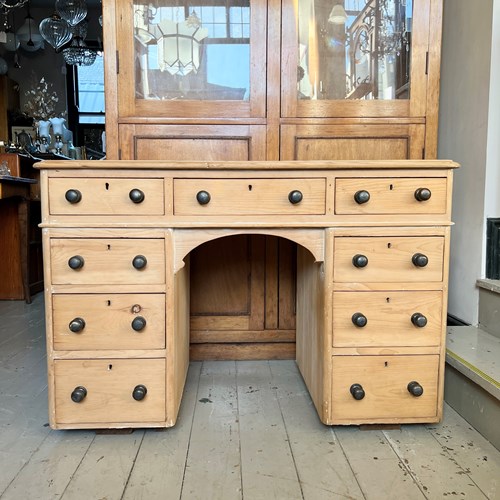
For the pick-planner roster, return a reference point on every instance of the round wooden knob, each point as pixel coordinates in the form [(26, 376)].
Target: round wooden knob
[(359, 319), (139, 262), (295, 197), (357, 391), (361, 197), (136, 195), (73, 196), (77, 325), (203, 197), (418, 319), (420, 260), (78, 395), (360, 260), (138, 323), (423, 194), (139, 392), (415, 389), (76, 262)]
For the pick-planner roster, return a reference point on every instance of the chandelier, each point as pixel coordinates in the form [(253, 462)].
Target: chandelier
[(12, 4), (79, 54)]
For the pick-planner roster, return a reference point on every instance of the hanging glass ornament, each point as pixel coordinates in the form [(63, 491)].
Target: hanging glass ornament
[(55, 31), (72, 11)]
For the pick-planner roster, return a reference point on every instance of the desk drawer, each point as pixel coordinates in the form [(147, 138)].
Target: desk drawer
[(373, 319), (106, 196), (388, 259), (107, 261), (108, 387), (390, 196), (384, 381), (249, 196), (109, 321)]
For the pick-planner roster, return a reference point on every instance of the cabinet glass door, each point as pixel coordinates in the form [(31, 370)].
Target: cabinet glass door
[(355, 57), (192, 58)]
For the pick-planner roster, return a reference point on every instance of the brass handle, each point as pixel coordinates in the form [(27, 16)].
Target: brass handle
[(423, 194), (139, 392), (77, 325), (138, 323), (137, 196), (360, 260), (418, 319), (415, 389), (420, 260), (203, 197), (139, 262), (361, 197), (79, 394), (295, 197), (357, 391), (73, 196), (76, 262), (359, 319)]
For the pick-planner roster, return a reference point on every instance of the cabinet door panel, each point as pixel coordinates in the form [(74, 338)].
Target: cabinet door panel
[(352, 142), (193, 142)]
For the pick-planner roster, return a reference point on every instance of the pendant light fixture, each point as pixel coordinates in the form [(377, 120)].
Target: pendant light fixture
[(55, 31), (78, 54), (72, 11), (28, 34)]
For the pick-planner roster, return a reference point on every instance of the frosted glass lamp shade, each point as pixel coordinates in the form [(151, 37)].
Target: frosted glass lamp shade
[(338, 15), (29, 36), (55, 31), (72, 11), (3, 66)]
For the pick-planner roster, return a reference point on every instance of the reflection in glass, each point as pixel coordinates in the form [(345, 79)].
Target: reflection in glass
[(354, 49), (196, 51)]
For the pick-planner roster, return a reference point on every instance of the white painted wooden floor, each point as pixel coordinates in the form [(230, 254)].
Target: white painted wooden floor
[(246, 430)]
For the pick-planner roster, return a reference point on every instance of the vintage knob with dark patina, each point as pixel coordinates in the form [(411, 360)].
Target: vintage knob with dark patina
[(420, 260), (139, 392), (138, 323), (295, 197), (136, 195), (76, 262), (79, 394), (360, 260), (418, 319), (77, 325), (357, 391), (203, 197), (139, 262), (423, 194), (359, 319), (361, 197), (73, 196), (415, 389)]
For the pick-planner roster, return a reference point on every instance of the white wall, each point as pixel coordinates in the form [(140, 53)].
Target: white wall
[(463, 137)]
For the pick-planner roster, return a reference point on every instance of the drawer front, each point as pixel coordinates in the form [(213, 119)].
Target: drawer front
[(106, 196), (107, 261), (373, 319), (109, 386), (390, 259), (250, 196), (390, 196), (109, 321), (384, 380)]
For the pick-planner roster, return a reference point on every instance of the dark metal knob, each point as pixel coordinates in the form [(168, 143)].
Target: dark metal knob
[(78, 395), (138, 323), (295, 197), (418, 319), (73, 195), (357, 391), (423, 194), (360, 260), (139, 392), (76, 262), (415, 389), (203, 197), (359, 319), (139, 262), (361, 197), (420, 260), (136, 195), (77, 325)]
